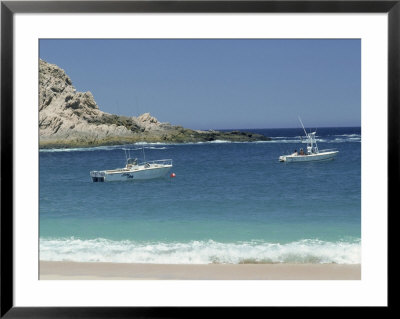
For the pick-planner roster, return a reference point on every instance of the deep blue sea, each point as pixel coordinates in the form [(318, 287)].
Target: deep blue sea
[(229, 203)]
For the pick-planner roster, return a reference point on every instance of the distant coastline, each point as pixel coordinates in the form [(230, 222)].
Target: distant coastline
[(71, 119)]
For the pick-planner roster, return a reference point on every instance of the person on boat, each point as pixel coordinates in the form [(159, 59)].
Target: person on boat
[(295, 153), (301, 152)]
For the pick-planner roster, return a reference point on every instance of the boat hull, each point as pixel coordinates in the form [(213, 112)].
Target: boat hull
[(325, 156), (143, 174)]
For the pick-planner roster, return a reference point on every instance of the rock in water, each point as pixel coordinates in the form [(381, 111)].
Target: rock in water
[(73, 119)]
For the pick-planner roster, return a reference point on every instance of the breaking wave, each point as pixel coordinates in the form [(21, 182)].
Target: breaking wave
[(344, 138), (153, 146), (200, 252)]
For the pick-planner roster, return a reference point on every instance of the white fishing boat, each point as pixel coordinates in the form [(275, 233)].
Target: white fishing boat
[(134, 170), (312, 152)]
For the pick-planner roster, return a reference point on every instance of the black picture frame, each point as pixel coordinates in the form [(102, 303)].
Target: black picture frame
[(9, 8)]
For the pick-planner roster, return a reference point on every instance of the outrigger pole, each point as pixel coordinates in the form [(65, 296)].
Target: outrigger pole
[(303, 126)]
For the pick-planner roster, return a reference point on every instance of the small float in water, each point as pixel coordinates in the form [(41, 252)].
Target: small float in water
[(312, 152), (134, 170)]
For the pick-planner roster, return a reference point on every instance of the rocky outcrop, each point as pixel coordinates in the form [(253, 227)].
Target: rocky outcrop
[(73, 119)]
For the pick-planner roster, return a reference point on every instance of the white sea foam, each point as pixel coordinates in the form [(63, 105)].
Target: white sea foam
[(158, 148), (114, 147), (343, 138), (80, 149), (349, 135), (199, 252), (155, 146), (288, 140), (149, 143), (220, 141)]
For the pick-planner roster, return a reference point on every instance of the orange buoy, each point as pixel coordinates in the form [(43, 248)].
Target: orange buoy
[(172, 175)]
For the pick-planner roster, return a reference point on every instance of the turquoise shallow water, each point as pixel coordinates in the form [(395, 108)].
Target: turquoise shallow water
[(229, 202)]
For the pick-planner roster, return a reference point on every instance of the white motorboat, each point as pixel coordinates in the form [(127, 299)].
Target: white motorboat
[(312, 152), (134, 170)]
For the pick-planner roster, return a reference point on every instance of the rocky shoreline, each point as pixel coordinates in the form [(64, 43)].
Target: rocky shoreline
[(186, 137), (73, 119)]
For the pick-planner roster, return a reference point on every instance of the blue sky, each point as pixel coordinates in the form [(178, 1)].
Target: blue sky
[(218, 84)]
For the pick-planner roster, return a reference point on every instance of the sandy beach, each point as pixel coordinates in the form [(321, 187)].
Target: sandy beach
[(59, 270)]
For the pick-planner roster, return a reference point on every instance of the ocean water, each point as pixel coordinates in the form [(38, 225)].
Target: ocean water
[(229, 203)]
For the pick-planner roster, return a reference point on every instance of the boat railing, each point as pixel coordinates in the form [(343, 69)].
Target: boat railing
[(328, 150), (161, 162)]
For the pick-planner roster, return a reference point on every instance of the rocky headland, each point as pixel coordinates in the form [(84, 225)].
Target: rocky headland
[(68, 118)]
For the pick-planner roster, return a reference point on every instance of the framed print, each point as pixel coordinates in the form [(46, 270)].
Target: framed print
[(196, 154)]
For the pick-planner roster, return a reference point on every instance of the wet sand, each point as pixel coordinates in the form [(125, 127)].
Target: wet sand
[(60, 270)]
